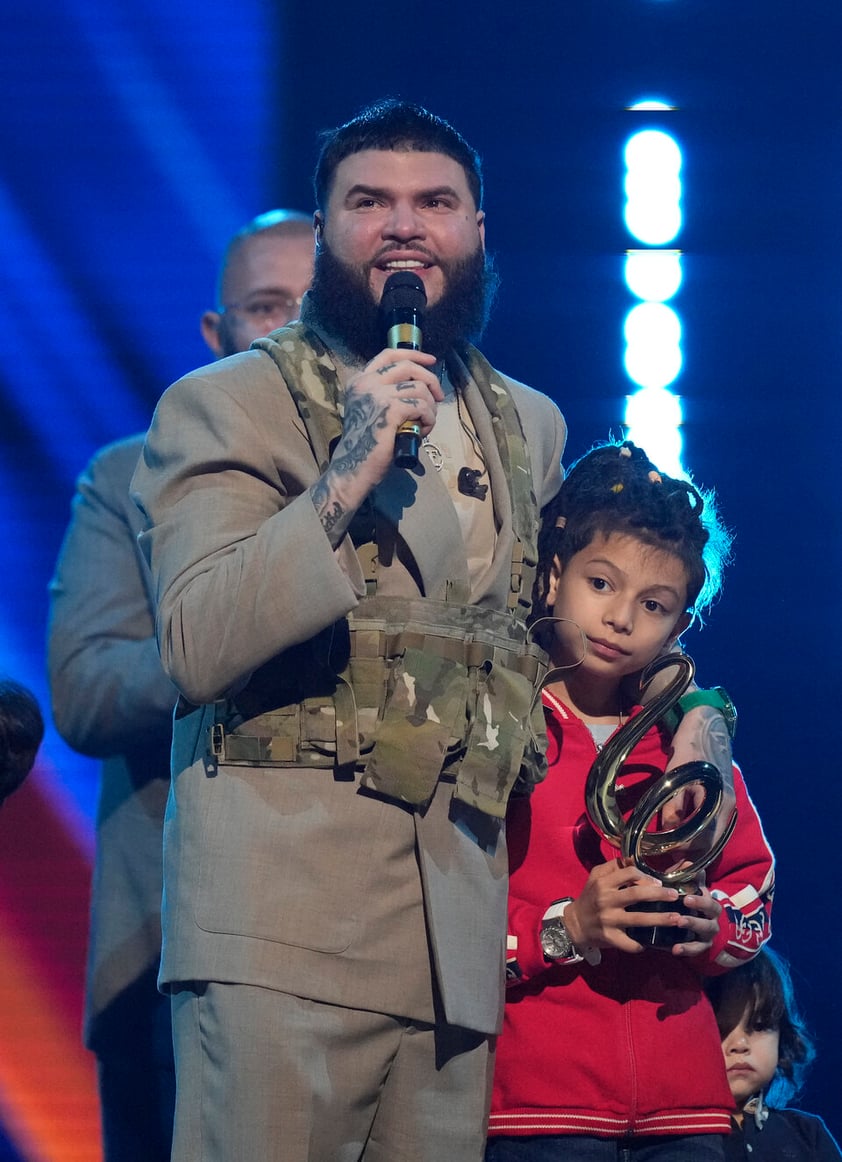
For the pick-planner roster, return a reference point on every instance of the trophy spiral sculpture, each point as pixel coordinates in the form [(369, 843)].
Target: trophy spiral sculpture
[(632, 835)]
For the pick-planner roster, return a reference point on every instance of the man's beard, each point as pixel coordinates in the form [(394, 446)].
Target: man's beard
[(343, 304)]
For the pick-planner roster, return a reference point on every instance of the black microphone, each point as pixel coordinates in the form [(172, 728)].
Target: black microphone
[(402, 310)]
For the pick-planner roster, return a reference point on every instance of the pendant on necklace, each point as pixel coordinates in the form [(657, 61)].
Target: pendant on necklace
[(435, 454)]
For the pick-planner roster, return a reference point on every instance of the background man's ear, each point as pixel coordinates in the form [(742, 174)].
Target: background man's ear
[(209, 326)]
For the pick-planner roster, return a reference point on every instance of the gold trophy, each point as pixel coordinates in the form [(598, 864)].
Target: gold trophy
[(635, 836)]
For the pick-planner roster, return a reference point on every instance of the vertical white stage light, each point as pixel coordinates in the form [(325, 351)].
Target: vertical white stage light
[(653, 357)]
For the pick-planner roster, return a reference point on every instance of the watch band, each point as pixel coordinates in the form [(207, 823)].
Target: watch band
[(716, 696)]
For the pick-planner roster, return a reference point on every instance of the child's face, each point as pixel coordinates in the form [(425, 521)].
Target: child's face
[(627, 597), (751, 1057)]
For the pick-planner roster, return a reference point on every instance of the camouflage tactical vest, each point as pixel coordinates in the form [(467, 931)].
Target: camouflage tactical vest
[(404, 691)]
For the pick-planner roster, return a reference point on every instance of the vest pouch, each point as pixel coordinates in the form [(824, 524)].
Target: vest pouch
[(369, 679), (274, 738), (500, 737), (423, 717)]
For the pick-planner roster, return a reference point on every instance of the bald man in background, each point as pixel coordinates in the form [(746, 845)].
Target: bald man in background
[(112, 700)]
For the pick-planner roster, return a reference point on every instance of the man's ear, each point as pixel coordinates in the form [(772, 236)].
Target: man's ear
[(209, 326), (481, 227), (552, 586), (684, 622), (318, 225)]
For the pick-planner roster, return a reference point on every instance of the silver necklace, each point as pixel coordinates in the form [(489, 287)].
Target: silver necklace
[(434, 452)]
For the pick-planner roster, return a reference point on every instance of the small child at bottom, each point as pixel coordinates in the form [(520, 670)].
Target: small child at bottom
[(767, 1051)]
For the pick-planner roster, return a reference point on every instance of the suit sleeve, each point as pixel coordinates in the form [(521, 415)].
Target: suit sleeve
[(109, 692), (742, 879), (242, 568)]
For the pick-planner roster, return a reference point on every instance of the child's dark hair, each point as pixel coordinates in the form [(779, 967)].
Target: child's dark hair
[(21, 732), (764, 986), (394, 125), (615, 488)]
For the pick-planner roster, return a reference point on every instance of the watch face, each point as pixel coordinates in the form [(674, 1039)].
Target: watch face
[(555, 942)]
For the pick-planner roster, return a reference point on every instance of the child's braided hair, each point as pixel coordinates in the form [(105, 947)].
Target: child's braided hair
[(615, 488)]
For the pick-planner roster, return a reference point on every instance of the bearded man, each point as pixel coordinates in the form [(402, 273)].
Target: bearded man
[(356, 684)]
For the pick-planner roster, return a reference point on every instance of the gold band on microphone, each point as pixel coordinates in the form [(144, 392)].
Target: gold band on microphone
[(404, 335)]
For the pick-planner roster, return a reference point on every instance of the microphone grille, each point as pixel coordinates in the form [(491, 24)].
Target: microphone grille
[(403, 291)]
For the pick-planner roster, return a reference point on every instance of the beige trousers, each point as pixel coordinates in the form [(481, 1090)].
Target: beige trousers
[(263, 1076)]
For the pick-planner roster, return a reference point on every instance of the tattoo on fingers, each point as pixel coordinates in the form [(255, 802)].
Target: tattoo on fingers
[(362, 418)]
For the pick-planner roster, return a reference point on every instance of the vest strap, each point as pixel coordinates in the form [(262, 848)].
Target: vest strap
[(430, 689)]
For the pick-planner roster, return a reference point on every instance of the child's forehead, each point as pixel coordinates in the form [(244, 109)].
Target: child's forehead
[(742, 1005), (734, 1008), (634, 550)]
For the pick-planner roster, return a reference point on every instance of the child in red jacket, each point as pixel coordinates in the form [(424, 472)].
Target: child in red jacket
[(610, 1049)]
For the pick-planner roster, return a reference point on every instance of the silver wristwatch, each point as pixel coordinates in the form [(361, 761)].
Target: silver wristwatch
[(555, 939)]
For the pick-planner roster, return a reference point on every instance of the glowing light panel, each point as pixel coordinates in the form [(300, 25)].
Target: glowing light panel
[(653, 419), (653, 187), (653, 357)]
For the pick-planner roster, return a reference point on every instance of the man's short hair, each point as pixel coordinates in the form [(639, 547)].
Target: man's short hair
[(278, 222), (21, 732), (397, 125)]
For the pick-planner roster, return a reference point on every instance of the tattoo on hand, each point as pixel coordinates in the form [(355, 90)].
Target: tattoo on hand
[(331, 517), (362, 418)]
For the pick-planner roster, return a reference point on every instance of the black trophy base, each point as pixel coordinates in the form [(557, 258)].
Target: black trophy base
[(662, 937)]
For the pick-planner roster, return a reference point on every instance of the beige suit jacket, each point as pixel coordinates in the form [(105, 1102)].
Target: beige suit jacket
[(286, 877)]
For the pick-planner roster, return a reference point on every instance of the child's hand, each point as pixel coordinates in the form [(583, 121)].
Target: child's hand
[(704, 922), (598, 918)]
